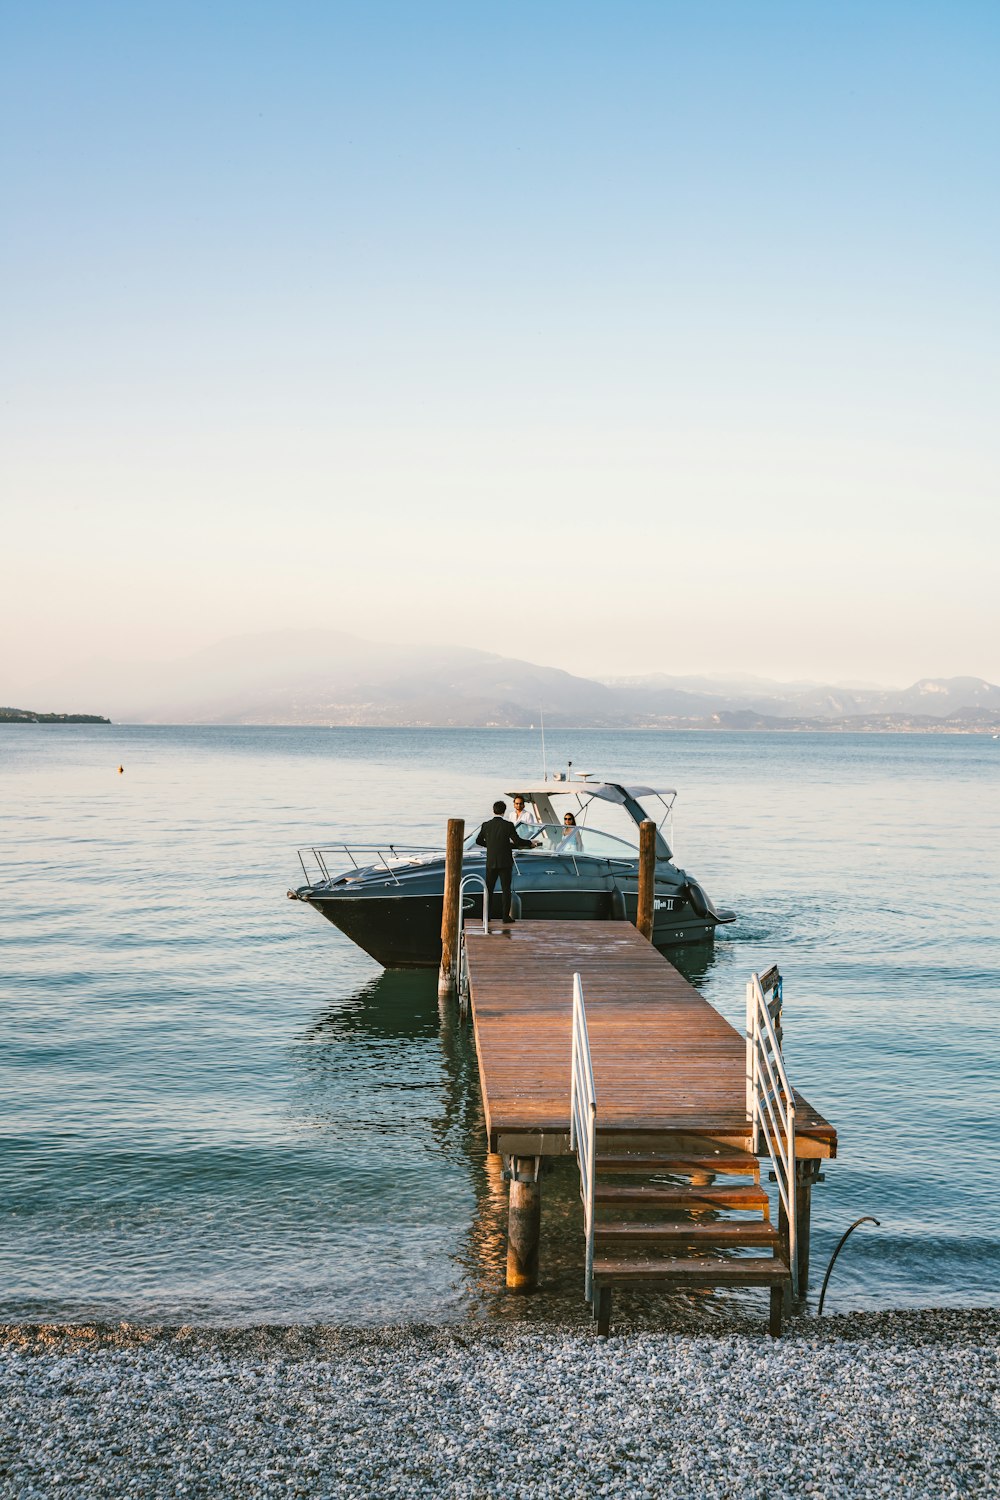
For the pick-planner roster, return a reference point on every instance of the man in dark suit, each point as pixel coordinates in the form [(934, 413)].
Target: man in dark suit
[(500, 838)]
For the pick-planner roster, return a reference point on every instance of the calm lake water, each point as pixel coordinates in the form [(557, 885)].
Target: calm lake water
[(218, 1110)]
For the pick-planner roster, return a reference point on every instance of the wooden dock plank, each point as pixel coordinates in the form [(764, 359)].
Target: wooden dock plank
[(664, 1059)]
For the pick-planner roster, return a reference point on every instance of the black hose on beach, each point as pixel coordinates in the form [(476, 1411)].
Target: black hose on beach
[(866, 1219)]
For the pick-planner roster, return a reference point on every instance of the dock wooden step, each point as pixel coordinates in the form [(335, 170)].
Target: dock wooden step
[(706, 1270), (685, 1196), (727, 1234), (731, 1162)]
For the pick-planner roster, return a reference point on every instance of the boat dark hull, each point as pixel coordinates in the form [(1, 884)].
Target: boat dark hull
[(404, 931)]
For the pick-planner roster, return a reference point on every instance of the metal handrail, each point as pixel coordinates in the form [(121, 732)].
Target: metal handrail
[(473, 879), (771, 1103), (583, 1124), (382, 852), (463, 966)]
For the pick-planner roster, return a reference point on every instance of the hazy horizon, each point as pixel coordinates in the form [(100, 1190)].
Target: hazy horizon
[(632, 339), (112, 664), (332, 677)]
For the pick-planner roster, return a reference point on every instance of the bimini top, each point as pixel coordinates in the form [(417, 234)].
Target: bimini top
[(607, 791)]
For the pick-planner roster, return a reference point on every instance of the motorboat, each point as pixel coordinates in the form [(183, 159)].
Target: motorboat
[(387, 899)]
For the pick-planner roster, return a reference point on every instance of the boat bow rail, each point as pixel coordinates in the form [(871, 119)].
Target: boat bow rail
[(316, 862)]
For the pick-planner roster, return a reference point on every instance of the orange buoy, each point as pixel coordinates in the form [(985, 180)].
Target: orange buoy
[(121, 770)]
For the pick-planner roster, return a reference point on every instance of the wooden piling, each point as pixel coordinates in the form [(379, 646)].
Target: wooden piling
[(602, 1310), (647, 878), (786, 1242), (806, 1173), (448, 975), (524, 1222)]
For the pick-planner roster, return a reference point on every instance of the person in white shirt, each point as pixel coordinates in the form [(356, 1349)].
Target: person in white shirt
[(523, 814)]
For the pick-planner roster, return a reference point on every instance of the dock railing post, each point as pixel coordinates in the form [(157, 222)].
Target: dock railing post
[(448, 975), (647, 878)]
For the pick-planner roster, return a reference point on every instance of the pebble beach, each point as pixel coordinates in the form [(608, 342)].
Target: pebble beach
[(862, 1404)]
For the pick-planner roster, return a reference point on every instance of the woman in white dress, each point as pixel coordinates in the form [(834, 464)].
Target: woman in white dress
[(572, 840)]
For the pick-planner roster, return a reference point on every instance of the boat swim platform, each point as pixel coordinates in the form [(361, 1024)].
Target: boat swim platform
[(666, 1063)]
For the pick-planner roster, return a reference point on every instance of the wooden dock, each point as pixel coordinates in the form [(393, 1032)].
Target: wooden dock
[(671, 1084)]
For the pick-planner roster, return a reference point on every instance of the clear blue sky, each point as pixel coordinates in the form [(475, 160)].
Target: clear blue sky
[(623, 337)]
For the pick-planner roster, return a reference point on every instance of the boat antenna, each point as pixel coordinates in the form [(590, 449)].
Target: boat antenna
[(545, 774)]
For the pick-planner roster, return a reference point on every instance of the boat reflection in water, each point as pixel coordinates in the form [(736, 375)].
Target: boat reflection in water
[(388, 899)]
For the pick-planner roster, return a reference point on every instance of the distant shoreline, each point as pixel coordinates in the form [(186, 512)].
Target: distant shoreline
[(792, 726), (29, 716)]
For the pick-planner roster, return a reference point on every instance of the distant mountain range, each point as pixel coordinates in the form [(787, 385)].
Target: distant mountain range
[(327, 677)]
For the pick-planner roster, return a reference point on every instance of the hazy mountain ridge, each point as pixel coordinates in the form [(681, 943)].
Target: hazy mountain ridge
[(938, 697), (329, 677)]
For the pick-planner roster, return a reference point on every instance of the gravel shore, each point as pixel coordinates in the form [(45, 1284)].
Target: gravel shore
[(869, 1404)]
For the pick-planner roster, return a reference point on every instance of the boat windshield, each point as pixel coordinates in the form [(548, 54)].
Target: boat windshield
[(556, 838), (604, 806)]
